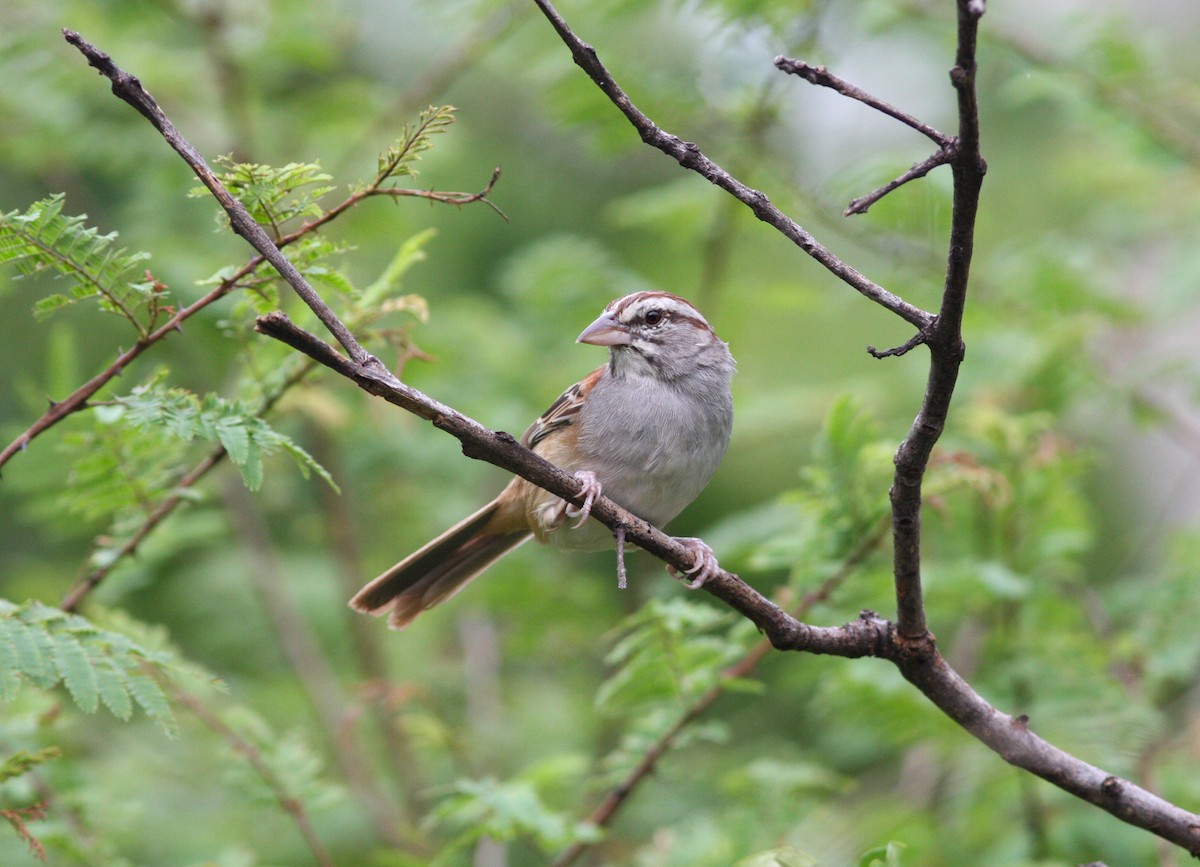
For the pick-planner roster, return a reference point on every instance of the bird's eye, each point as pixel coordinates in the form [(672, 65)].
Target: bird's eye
[(654, 317)]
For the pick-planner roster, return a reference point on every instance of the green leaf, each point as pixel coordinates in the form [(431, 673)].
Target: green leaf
[(42, 240), (416, 138), (410, 253), (22, 762), (76, 670), (45, 646), (272, 195), (883, 856), (150, 698), (235, 438), (782, 857), (246, 437), (113, 687)]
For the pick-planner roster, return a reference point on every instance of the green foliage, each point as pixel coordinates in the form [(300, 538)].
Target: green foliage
[(504, 812), (672, 652), (273, 195), (178, 414), (42, 240), (22, 762), (267, 765), (782, 857), (399, 160), (883, 856), (44, 647)]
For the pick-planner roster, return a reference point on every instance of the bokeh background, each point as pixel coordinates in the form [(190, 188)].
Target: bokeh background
[(1061, 521)]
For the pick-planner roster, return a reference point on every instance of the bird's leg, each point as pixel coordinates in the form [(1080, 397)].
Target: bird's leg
[(622, 583)]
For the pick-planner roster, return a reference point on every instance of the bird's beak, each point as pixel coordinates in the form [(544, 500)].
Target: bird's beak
[(605, 331)]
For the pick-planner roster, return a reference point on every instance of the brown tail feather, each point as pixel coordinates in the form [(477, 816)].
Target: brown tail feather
[(435, 572)]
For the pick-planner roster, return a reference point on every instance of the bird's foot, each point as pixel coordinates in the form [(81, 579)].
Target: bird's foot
[(591, 490), (705, 566)]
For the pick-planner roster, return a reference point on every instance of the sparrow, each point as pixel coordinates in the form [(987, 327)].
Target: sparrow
[(647, 429)]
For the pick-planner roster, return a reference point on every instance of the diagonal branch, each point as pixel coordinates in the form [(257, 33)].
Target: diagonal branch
[(822, 77), (861, 204), (688, 155), (128, 88)]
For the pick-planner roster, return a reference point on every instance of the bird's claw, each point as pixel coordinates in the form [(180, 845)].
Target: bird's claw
[(591, 489), (704, 567)]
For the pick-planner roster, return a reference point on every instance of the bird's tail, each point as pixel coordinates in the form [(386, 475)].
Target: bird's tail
[(435, 572)]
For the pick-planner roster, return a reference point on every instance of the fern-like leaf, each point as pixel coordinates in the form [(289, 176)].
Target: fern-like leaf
[(272, 195), (43, 240), (398, 160), (22, 762), (46, 647), (246, 437)]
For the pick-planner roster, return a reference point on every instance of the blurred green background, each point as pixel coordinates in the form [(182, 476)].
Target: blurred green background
[(1061, 512)]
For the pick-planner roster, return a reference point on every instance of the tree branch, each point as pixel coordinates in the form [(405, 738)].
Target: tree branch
[(944, 337), (822, 77), (919, 170), (688, 155)]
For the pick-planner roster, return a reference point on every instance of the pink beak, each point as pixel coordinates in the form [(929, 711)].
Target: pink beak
[(605, 331)]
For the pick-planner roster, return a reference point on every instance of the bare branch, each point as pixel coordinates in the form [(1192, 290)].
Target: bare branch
[(688, 155), (903, 349), (944, 338), (448, 198), (822, 77), (919, 170)]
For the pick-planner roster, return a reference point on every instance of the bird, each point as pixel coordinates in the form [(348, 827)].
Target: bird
[(647, 429)]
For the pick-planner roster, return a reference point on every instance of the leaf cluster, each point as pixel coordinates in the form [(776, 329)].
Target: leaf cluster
[(43, 240), (43, 647)]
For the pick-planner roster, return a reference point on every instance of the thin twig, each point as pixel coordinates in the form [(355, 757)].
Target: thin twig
[(903, 349), (688, 155), (445, 196), (822, 77), (919, 170), (291, 805)]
